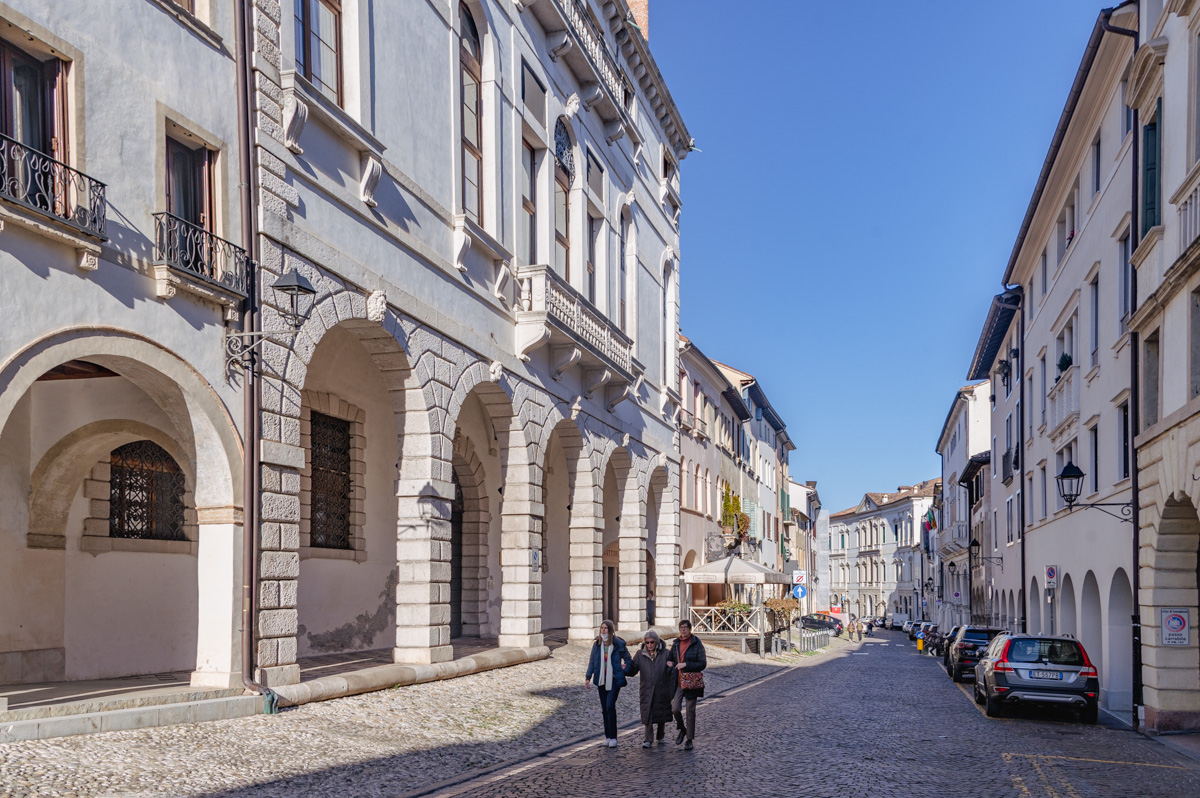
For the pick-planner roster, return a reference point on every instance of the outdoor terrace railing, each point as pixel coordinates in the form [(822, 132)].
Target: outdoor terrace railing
[(542, 289), (190, 248), (38, 182), (1063, 399), (592, 41)]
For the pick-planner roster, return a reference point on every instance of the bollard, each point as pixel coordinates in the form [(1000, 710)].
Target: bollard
[(920, 645)]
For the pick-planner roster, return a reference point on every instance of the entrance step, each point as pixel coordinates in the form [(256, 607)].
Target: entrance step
[(138, 717)]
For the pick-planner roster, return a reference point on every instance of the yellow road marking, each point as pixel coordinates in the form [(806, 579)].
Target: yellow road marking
[(1099, 761)]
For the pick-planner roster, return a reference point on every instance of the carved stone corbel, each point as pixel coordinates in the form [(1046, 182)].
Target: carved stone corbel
[(523, 4), (594, 380), (372, 170), (495, 371), (529, 338), (503, 275), (462, 244), (377, 306), (565, 43), (295, 114), (592, 94), (614, 131), (615, 394), (88, 261), (562, 358)]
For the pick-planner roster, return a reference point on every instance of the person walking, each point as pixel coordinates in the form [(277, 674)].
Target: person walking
[(606, 670), (689, 660), (852, 629), (656, 688), (870, 627)]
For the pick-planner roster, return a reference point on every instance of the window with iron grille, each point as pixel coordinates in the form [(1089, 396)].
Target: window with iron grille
[(145, 493), (329, 504)]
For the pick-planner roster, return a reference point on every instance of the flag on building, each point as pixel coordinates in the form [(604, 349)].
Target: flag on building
[(930, 521)]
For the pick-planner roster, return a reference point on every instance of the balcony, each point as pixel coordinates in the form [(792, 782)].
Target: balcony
[(1007, 464), (1063, 398), (575, 38), (552, 312), (952, 538), (686, 419), (50, 188), (190, 258)]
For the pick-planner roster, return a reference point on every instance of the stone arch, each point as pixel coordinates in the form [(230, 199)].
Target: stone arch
[(665, 546), (623, 522), (1068, 617), (1091, 617), (1116, 681), (1035, 607), (469, 544), (569, 567)]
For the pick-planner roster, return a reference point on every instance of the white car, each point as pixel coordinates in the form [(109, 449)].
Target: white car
[(907, 625)]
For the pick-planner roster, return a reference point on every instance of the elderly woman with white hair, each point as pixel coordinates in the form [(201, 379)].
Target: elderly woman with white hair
[(656, 687)]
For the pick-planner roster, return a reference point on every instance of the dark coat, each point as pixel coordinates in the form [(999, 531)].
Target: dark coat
[(621, 661), (656, 687), (693, 660)]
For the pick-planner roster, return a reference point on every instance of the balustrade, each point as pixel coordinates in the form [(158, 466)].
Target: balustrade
[(36, 181)]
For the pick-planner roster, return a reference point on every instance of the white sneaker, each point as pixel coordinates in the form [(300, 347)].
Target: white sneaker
[(612, 742)]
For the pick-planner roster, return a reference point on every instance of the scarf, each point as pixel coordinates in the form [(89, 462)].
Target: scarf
[(606, 666)]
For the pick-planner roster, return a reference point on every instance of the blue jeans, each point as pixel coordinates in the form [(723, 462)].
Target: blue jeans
[(608, 706)]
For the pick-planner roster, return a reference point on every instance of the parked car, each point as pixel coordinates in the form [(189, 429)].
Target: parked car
[(819, 620), (931, 639), (1037, 669), (919, 626), (900, 621), (945, 650), (907, 625), (965, 648)]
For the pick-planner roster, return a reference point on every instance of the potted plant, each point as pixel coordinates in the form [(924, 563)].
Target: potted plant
[(1064, 363), (732, 528)]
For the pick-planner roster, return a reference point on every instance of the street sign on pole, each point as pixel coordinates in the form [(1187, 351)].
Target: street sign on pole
[(799, 578), (799, 591), (1176, 627), (1051, 576)]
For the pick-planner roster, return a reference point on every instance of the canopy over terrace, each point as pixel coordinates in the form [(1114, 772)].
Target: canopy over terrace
[(737, 622)]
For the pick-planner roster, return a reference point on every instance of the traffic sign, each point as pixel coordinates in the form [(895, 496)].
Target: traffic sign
[(799, 591), (799, 577), (1176, 627), (1051, 576)]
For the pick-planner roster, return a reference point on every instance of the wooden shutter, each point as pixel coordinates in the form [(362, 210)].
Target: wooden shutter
[(1151, 155)]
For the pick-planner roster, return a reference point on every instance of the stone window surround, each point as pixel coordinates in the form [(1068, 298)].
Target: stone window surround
[(96, 539), (334, 406)]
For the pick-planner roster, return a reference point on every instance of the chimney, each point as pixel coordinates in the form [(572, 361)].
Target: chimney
[(641, 14)]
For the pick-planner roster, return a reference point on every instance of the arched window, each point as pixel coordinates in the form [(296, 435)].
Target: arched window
[(699, 490), (145, 493), (564, 178), (469, 57), (622, 275), (707, 492), (684, 479)]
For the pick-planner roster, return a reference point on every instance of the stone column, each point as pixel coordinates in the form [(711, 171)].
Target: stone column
[(631, 596), (219, 578), (587, 564), (423, 568), (521, 517), (279, 561)]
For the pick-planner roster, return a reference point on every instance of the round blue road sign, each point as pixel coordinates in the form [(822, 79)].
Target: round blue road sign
[(799, 591)]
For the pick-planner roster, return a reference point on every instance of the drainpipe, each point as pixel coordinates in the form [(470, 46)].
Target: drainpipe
[(1134, 394), (250, 387), (1020, 376)]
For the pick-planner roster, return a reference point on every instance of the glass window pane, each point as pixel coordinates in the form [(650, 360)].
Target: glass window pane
[(28, 106), (471, 185), (560, 258), (470, 110), (527, 172), (525, 239), (560, 209)]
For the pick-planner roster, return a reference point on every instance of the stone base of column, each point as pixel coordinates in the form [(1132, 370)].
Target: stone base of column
[(423, 655), (274, 677), (521, 641), (216, 681), (1169, 720)]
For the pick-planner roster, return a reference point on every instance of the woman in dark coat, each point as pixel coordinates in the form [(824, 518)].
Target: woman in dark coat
[(606, 670), (656, 687), (687, 657)]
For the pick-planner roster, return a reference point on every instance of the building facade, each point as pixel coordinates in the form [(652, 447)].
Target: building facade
[(805, 544), (965, 433)]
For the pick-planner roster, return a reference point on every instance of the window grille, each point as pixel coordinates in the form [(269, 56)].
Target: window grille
[(145, 493), (329, 502)]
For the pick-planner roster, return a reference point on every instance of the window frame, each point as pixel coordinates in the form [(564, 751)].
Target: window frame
[(470, 67), (303, 51), (529, 203)]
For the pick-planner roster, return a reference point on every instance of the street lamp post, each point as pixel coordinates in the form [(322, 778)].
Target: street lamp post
[(972, 555), (1070, 486)]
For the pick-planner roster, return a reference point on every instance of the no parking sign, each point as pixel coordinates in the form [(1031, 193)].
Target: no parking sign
[(1052, 576), (1176, 626)]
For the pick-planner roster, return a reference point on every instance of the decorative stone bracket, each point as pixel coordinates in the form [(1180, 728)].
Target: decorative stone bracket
[(468, 235)]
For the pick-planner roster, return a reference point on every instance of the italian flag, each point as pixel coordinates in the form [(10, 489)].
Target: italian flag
[(930, 521)]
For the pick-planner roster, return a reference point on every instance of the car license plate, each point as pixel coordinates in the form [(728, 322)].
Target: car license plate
[(1047, 675)]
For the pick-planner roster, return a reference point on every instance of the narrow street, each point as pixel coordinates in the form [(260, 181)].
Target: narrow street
[(878, 721)]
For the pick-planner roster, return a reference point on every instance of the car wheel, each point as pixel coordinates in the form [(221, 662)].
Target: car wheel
[(1090, 713), (992, 706), (978, 697), (956, 673)]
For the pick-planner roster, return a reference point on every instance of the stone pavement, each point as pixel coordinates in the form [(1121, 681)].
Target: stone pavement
[(876, 721)]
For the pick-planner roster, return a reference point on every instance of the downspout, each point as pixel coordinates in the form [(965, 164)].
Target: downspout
[(1134, 393), (250, 387), (1020, 376)]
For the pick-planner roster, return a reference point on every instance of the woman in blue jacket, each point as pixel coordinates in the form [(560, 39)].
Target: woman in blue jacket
[(606, 670)]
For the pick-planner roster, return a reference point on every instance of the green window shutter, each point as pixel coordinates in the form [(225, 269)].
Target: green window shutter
[(1151, 157)]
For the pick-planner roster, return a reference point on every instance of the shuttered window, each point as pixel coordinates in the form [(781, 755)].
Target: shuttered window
[(1151, 184)]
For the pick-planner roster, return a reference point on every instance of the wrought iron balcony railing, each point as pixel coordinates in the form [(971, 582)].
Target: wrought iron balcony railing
[(190, 248), (592, 40), (38, 182), (1007, 464)]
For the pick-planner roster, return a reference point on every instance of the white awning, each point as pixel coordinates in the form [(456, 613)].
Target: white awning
[(734, 571)]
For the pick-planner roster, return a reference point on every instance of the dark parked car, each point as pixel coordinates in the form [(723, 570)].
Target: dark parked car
[(965, 647), (1037, 669), (822, 621), (944, 648)]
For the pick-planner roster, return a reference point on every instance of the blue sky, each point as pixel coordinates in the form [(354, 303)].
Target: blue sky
[(864, 170)]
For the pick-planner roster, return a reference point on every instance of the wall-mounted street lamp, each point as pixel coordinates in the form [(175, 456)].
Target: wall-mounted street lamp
[(1070, 486), (240, 347), (973, 554)]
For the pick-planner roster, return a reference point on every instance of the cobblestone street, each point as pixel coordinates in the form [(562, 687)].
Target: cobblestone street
[(874, 720)]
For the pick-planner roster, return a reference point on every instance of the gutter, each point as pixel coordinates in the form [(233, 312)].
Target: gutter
[(250, 388)]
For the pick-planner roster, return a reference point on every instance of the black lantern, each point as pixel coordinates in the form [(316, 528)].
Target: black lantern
[(1070, 483), (953, 566), (295, 286)]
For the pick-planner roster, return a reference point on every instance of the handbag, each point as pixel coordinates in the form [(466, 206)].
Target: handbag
[(692, 680)]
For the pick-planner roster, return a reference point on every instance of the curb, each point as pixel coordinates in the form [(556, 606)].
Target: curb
[(467, 778)]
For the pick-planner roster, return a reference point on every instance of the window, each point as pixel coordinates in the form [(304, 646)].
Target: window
[(1126, 110), (189, 171), (1194, 345), (564, 173), (1150, 379), (1096, 166), (1094, 295), (1094, 443), (34, 116), (595, 175), (145, 493), (1042, 487), (1151, 189), (1123, 432), (1008, 516), (593, 242), (471, 117), (527, 229), (622, 277), (319, 45), (995, 456), (1043, 270), (329, 503), (1045, 386), (533, 94), (1126, 277)]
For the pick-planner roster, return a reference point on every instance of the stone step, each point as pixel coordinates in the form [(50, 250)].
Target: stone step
[(131, 700), (141, 717)]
